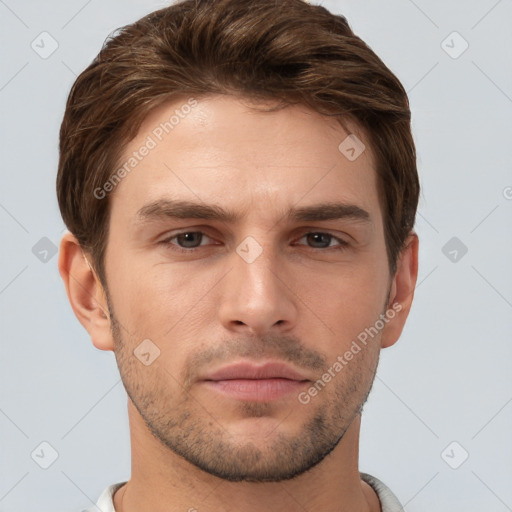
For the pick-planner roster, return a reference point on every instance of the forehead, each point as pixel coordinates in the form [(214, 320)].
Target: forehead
[(225, 150)]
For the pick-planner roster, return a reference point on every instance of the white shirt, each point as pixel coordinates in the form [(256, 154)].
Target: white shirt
[(388, 501)]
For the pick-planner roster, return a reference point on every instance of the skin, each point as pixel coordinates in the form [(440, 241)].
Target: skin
[(302, 301)]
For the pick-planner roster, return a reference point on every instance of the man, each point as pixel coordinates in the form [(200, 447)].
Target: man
[(239, 183)]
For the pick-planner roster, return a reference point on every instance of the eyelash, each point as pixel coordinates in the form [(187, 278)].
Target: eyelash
[(167, 242)]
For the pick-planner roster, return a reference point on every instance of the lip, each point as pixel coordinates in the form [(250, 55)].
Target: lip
[(256, 383), (256, 390), (246, 370)]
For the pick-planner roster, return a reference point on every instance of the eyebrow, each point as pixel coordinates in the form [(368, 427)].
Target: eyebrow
[(174, 209)]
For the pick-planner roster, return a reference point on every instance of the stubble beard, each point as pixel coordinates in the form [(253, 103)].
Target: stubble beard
[(186, 426)]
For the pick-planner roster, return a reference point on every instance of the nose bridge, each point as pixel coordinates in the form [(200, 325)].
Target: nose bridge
[(254, 296), (256, 265)]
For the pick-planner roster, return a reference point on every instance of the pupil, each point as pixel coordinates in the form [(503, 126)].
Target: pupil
[(187, 239), (193, 239), (317, 238)]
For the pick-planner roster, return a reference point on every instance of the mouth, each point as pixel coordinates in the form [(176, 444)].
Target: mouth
[(257, 383)]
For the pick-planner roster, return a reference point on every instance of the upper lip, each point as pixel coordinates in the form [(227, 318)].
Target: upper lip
[(246, 370)]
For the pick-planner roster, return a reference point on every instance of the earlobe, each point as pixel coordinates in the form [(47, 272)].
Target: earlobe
[(85, 292), (402, 290)]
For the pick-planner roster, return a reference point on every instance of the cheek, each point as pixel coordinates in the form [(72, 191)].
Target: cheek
[(345, 302), (162, 301)]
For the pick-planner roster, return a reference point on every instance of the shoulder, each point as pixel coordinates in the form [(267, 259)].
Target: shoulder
[(105, 502), (388, 501)]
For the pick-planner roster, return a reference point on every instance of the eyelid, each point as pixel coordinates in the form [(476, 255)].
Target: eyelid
[(167, 240), (341, 241)]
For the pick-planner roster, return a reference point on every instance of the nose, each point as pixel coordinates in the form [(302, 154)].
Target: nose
[(257, 296)]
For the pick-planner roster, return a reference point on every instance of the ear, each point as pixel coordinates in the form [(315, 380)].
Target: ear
[(85, 292), (402, 291)]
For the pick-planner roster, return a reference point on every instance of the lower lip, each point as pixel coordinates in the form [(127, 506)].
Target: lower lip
[(256, 390)]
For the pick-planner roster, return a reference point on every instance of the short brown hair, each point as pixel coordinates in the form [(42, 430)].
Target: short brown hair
[(285, 50)]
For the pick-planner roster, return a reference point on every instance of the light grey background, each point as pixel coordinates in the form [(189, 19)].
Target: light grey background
[(449, 377)]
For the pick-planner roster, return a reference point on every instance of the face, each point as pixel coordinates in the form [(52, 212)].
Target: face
[(245, 260)]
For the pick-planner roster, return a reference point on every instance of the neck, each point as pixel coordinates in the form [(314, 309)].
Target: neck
[(163, 481)]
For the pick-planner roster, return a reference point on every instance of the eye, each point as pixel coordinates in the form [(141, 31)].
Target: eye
[(186, 240), (320, 240)]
